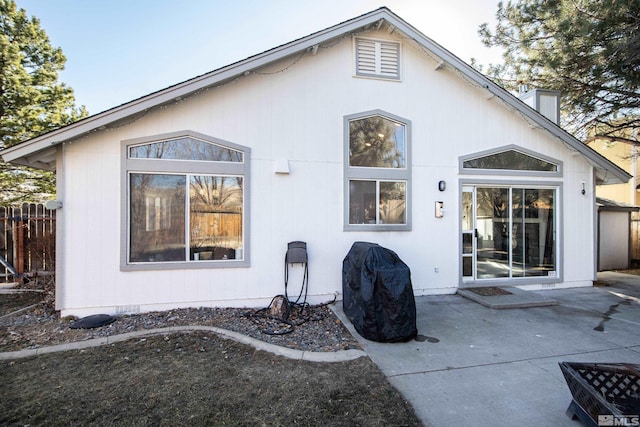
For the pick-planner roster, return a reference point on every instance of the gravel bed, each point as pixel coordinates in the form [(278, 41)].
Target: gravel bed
[(312, 328)]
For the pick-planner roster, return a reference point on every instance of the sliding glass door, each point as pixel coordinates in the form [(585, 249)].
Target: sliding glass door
[(508, 232)]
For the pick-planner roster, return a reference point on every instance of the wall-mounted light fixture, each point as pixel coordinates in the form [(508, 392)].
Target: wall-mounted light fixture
[(442, 185), (583, 189)]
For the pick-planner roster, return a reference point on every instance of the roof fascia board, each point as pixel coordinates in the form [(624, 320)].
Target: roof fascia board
[(187, 87), (602, 208)]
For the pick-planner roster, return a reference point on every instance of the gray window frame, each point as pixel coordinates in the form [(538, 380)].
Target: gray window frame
[(556, 185), (186, 167), (377, 174), (509, 172)]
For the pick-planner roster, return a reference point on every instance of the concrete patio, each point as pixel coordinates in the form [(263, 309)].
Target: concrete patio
[(482, 366)]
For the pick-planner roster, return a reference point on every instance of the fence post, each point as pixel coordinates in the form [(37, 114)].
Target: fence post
[(6, 242), (18, 246)]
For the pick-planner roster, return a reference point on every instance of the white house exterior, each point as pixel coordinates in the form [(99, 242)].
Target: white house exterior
[(280, 141)]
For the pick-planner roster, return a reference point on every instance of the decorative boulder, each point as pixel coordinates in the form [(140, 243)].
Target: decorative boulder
[(93, 321)]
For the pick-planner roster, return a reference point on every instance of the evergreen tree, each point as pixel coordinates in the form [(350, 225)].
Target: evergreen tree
[(587, 49), (32, 101), (373, 143)]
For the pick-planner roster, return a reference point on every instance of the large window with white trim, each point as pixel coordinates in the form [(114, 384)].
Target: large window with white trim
[(377, 172), (185, 198)]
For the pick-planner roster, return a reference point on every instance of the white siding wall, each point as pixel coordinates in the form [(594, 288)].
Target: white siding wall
[(297, 114)]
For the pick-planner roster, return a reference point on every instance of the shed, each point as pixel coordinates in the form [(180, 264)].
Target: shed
[(614, 234)]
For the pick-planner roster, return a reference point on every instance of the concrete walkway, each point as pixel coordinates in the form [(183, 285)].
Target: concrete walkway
[(495, 367)]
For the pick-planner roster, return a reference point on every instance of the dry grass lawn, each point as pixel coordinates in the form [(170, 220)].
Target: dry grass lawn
[(192, 379)]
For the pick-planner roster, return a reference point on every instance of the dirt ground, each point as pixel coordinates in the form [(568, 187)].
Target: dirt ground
[(192, 379), (13, 302)]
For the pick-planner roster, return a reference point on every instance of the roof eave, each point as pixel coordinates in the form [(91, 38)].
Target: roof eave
[(615, 206), (181, 90), (606, 171)]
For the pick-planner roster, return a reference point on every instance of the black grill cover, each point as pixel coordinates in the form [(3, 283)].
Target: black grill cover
[(377, 293)]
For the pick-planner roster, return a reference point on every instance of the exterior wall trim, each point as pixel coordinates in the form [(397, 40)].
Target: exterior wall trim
[(509, 172), (559, 278), (357, 173)]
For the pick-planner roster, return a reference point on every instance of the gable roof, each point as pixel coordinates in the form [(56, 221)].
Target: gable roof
[(40, 152)]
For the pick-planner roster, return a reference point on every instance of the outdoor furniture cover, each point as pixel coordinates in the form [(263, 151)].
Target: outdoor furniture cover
[(377, 293)]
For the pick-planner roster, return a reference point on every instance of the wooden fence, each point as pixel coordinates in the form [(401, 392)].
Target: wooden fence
[(27, 241)]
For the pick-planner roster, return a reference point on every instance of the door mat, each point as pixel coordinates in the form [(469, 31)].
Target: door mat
[(489, 291), (500, 298)]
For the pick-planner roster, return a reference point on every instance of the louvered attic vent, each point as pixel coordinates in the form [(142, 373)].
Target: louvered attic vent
[(377, 58)]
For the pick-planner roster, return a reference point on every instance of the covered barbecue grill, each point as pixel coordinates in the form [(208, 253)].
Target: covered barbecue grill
[(377, 293)]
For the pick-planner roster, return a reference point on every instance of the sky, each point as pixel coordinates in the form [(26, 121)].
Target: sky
[(120, 50)]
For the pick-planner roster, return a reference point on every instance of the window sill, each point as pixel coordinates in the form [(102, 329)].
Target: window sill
[(181, 265), (377, 227)]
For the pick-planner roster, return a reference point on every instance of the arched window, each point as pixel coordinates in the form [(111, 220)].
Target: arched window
[(510, 160), (377, 172), (186, 202)]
